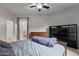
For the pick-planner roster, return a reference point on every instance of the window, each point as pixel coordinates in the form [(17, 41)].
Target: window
[(22, 28)]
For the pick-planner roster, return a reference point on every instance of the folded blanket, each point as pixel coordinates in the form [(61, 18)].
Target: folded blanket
[(44, 41), (4, 44)]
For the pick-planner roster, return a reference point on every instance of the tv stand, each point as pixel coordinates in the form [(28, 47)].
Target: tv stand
[(65, 33)]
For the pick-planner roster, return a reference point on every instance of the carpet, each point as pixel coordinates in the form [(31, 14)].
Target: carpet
[(70, 52)]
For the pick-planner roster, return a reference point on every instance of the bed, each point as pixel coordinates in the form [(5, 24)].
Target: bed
[(31, 48)]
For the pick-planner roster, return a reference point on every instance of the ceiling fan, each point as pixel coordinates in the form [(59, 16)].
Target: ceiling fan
[(39, 6)]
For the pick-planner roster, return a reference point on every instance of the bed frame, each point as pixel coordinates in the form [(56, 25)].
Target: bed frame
[(42, 34), (45, 34)]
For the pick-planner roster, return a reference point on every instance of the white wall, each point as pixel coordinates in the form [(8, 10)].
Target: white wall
[(38, 23), (6, 14)]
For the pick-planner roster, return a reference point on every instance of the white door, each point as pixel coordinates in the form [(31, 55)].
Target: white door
[(2, 28), (9, 29)]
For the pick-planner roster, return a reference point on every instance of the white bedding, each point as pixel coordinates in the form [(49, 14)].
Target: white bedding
[(30, 48)]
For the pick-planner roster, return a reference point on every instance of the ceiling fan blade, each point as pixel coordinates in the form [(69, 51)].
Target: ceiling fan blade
[(47, 7), (33, 6)]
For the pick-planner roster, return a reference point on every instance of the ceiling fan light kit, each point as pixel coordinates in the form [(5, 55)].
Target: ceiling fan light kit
[(39, 6)]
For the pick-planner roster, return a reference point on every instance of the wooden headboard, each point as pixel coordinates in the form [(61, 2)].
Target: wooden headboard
[(42, 34)]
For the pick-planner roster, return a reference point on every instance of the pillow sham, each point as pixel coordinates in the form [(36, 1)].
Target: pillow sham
[(44, 41)]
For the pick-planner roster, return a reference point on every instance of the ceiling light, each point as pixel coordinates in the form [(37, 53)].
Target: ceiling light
[(39, 6)]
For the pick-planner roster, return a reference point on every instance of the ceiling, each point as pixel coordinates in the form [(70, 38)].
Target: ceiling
[(23, 9)]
